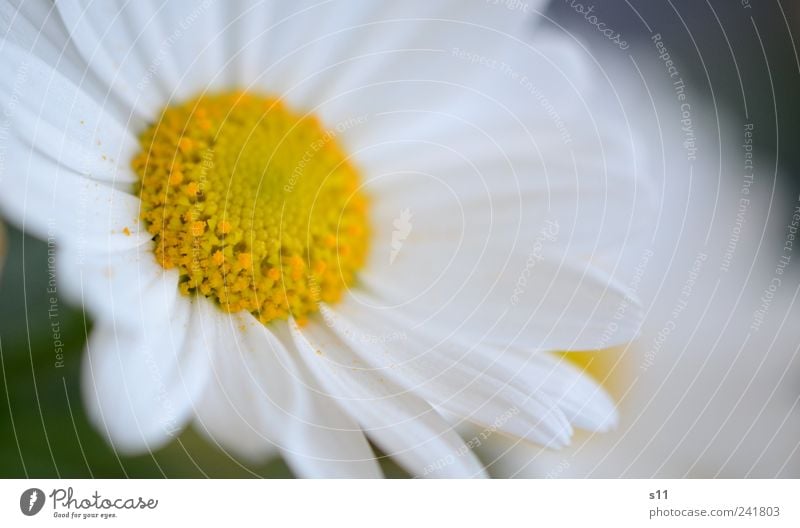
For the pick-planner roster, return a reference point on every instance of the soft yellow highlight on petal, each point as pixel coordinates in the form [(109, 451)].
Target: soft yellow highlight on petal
[(607, 367)]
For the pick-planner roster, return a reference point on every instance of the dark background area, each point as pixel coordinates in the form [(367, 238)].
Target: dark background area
[(743, 59)]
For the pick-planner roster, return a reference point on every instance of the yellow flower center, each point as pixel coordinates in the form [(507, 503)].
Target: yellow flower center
[(257, 206)]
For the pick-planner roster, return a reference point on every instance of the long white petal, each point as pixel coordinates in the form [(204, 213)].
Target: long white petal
[(261, 401), (402, 424), (454, 386), (141, 385), (59, 120), (115, 49), (127, 288), (52, 202)]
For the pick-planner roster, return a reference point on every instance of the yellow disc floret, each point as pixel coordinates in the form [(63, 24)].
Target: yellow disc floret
[(257, 206)]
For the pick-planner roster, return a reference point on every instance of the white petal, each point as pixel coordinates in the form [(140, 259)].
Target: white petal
[(358, 43), (54, 203), (322, 440), (150, 53), (61, 121), (484, 148), (37, 28), (259, 41), (140, 385), (29, 24), (453, 385), (261, 400), (403, 425), (585, 403), (234, 413), (115, 49), (484, 169), (469, 235), (415, 58), (486, 219), (127, 288), (199, 47), (270, 43), (530, 297)]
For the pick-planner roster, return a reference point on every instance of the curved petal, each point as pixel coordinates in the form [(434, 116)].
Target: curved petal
[(126, 288), (490, 171), (359, 43), (502, 218), (52, 202), (261, 399), (116, 49), (59, 120), (149, 53), (585, 403), (322, 439), (530, 298), (508, 183), (234, 412), (497, 231), (35, 27), (140, 386), (402, 424), (446, 381), (378, 66)]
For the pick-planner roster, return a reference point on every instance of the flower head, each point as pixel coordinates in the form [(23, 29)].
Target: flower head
[(310, 229)]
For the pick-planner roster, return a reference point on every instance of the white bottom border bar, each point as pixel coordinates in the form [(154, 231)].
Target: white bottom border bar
[(400, 503)]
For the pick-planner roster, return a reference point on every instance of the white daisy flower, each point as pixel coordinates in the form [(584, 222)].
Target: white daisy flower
[(315, 228)]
